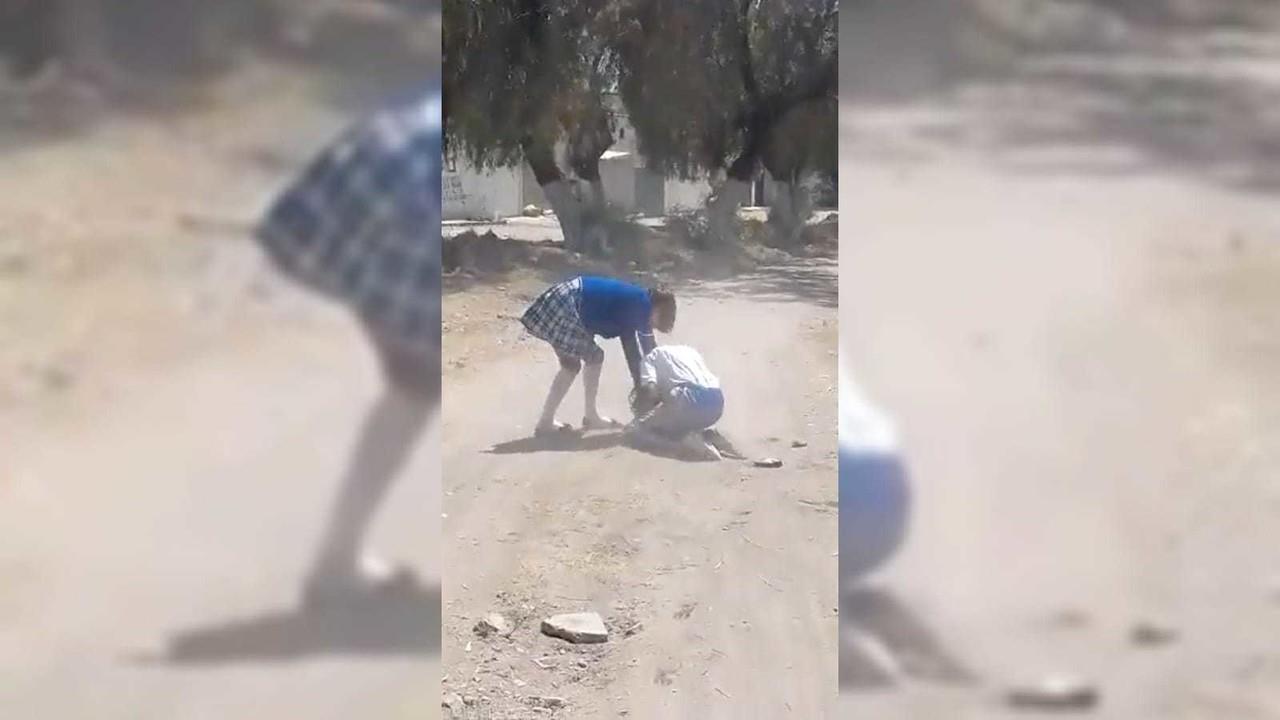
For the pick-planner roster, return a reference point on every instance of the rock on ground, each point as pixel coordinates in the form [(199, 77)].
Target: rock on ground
[(576, 628), (1055, 693), (492, 624)]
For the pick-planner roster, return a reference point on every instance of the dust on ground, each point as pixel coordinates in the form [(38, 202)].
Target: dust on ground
[(494, 270), (1064, 288), (174, 417), (690, 565)]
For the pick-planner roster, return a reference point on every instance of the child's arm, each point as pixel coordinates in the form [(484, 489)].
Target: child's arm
[(638, 343), (649, 370), (631, 349), (647, 343), (642, 321)]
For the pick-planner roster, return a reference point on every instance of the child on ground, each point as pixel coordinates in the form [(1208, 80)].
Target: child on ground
[(570, 314), (362, 226), (677, 401), (875, 487)]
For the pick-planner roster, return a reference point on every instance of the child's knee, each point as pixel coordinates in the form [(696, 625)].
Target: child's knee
[(570, 365)]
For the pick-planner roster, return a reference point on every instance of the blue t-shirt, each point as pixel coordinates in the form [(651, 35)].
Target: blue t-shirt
[(613, 308)]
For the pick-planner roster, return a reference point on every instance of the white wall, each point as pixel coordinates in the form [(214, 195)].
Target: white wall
[(475, 195), (619, 178), (686, 194)]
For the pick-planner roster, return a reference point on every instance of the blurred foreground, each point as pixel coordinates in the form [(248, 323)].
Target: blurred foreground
[(1064, 287), (173, 417)]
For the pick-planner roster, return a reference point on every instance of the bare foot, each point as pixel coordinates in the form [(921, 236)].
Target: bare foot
[(699, 449), (600, 422), (369, 578), (554, 429)]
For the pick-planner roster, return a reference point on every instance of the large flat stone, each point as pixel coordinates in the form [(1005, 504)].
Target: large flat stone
[(576, 628)]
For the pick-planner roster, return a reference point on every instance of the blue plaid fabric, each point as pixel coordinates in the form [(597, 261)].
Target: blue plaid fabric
[(362, 223), (556, 318)]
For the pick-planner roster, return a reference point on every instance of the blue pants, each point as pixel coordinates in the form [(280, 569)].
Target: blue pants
[(875, 502), (688, 409)]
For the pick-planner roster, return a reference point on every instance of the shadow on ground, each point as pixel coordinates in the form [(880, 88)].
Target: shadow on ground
[(576, 442), (404, 623), (563, 442), (884, 643), (805, 281)]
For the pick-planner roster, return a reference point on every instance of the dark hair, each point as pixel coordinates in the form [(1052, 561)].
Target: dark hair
[(663, 298)]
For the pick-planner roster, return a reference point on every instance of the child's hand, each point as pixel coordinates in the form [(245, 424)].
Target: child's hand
[(644, 397)]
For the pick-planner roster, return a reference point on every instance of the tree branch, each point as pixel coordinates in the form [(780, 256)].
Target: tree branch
[(746, 63)]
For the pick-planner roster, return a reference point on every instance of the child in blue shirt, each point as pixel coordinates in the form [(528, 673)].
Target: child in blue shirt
[(570, 314)]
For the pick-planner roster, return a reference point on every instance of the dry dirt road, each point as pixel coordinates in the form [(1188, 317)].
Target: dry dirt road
[(171, 436), (1076, 327), (151, 552), (717, 580)]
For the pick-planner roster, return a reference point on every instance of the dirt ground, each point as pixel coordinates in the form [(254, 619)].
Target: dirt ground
[(1064, 284), (174, 419), (716, 580)]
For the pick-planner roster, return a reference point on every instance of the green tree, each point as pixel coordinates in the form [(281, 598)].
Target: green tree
[(719, 88), (524, 78)]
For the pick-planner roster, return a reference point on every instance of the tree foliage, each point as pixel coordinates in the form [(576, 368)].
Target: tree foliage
[(521, 75), (709, 83), (705, 83)]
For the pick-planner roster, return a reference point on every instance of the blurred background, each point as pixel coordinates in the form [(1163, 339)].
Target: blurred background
[(1062, 281), (174, 416), (158, 382)]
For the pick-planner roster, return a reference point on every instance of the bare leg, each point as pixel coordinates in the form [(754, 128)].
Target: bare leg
[(569, 368), (390, 433), (654, 432), (591, 417)]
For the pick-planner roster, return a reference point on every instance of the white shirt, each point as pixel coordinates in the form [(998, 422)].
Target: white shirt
[(671, 365), (863, 428)]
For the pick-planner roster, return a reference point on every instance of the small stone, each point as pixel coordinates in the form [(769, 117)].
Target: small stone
[(1149, 633), (799, 444), (492, 624), (768, 463), (454, 704), (548, 702), (1057, 692), (576, 628)]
